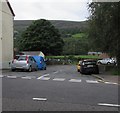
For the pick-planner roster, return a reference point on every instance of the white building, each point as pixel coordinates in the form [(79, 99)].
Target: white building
[(6, 34)]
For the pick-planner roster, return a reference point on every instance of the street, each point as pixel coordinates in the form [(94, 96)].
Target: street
[(59, 88)]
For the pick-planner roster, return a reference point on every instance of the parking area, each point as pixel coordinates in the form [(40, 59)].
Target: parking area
[(62, 71)]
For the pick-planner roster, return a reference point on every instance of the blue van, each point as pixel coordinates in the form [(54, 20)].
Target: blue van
[(40, 62)]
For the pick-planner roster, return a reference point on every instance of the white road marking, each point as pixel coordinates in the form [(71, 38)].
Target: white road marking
[(1, 76), (55, 72), (75, 80), (46, 75), (111, 83), (40, 99), (91, 81), (43, 76), (12, 76), (59, 79), (26, 78), (111, 105)]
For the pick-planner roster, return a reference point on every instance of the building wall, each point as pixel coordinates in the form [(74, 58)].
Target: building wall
[(7, 35), (0, 34)]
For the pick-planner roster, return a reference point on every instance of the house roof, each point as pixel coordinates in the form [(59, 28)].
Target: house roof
[(8, 3)]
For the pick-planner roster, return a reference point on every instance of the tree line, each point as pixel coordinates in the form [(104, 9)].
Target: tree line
[(104, 23)]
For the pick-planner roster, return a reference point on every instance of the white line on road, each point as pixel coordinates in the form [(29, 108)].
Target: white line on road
[(43, 76), (111, 83), (1, 76), (75, 80), (26, 78), (111, 105), (59, 79), (91, 81), (12, 76), (55, 72), (40, 99)]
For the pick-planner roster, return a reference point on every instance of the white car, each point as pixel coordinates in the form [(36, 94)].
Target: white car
[(107, 61), (24, 62)]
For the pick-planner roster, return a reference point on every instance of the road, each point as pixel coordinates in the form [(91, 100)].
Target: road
[(59, 88)]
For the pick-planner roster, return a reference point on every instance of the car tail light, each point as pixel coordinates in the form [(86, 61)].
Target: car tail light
[(27, 59)]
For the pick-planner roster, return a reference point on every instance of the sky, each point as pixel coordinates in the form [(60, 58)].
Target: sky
[(71, 10)]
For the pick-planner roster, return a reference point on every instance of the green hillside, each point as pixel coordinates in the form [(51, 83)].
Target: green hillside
[(68, 26), (73, 33)]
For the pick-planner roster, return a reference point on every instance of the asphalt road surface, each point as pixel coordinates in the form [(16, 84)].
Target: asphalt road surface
[(59, 88)]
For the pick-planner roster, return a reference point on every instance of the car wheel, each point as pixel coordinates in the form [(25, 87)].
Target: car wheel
[(45, 68), (30, 69), (36, 69), (99, 63), (108, 63), (81, 72), (12, 69)]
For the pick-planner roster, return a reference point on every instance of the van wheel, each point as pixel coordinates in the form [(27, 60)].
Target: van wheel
[(30, 69), (36, 69), (12, 69)]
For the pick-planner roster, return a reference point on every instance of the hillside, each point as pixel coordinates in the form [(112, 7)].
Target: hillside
[(20, 25)]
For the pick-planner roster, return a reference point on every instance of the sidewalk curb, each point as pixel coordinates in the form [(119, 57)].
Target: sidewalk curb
[(101, 79)]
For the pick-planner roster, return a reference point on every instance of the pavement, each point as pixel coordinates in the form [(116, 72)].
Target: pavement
[(111, 78), (108, 78)]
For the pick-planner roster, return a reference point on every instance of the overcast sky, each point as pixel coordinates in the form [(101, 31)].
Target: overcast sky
[(73, 10)]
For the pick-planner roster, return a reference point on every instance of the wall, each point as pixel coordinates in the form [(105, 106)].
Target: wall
[(0, 34), (7, 35)]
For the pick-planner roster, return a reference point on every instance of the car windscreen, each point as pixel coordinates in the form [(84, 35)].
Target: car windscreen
[(22, 58)]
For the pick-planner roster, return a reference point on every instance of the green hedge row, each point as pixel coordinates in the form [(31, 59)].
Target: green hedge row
[(73, 57)]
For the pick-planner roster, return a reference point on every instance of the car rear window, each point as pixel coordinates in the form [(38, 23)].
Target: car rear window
[(22, 58), (90, 62), (16, 57)]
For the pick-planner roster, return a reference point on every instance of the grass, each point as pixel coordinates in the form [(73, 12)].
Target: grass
[(87, 56), (79, 35), (75, 57)]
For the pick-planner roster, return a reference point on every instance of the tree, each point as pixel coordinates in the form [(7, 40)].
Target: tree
[(104, 28), (75, 46), (41, 35)]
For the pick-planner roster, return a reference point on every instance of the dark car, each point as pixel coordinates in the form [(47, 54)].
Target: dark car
[(89, 67)]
